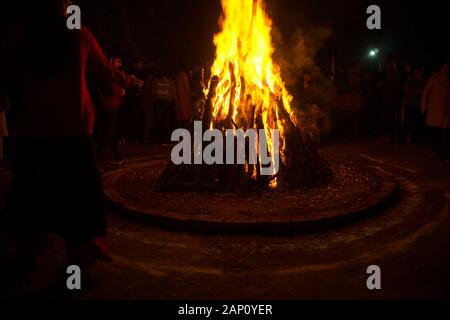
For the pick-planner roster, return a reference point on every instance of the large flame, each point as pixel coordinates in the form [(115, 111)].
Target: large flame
[(250, 83)]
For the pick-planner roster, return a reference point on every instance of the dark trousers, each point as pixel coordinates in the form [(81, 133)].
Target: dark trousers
[(130, 120), (412, 125), (164, 120), (389, 120), (56, 188), (441, 142), (109, 135), (147, 125)]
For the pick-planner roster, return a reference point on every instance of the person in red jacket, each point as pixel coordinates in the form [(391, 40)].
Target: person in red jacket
[(56, 186), (3, 124), (111, 100)]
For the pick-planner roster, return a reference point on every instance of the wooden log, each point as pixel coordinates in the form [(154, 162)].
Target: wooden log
[(207, 114), (304, 167)]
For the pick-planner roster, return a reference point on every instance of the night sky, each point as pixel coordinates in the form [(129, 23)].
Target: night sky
[(181, 31)]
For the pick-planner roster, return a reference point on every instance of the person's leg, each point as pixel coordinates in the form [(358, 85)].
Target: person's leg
[(436, 139), (148, 123), (392, 118), (441, 146), (172, 120), (24, 216), (80, 201), (165, 121), (446, 143), (3, 132), (114, 141), (406, 136), (111, 133), (158, 121), (357, 126), (384, 121), (115, 147), (107, 128), (134, 118), (100, 134), (421, 128), (415, 126), (398, 121), (122, 123), (98, 130)]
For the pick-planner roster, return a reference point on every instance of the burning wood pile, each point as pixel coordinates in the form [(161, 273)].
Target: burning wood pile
[(248, 92)]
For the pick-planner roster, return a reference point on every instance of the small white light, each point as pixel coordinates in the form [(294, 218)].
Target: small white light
[(373, 52)]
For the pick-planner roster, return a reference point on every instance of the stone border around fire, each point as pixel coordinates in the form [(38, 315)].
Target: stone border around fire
[(178, 221)]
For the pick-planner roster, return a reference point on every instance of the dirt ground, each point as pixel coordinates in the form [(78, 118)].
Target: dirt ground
[(352, 186), (410, 242)]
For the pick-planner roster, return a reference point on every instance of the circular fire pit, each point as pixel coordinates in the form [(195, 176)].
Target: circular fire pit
[(357, 190)]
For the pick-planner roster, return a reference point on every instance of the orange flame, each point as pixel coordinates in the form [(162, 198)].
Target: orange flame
[(250, 82)]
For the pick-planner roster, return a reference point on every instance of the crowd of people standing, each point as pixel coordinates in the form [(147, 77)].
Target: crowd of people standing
[(148, 114), (406, 105)]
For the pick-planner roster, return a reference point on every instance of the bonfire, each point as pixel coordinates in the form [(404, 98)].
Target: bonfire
[(247, 91)]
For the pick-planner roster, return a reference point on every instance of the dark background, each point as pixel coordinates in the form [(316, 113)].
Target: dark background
[(181, 31)]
